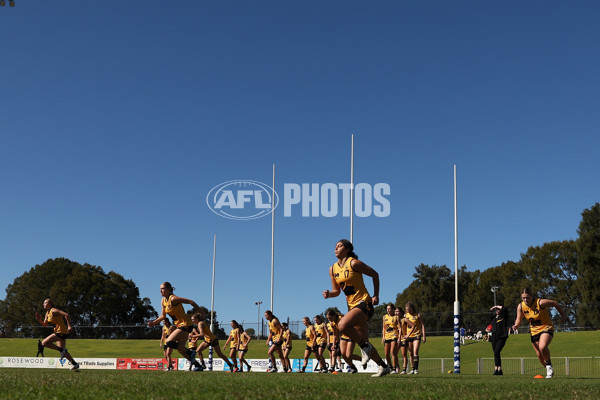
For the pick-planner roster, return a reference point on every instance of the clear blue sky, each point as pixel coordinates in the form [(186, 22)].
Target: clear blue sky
[(116, 119)]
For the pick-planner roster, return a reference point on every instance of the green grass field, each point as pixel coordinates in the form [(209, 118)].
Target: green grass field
[(101, 384)]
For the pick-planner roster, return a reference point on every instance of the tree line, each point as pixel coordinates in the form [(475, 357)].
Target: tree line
[(106, 305)]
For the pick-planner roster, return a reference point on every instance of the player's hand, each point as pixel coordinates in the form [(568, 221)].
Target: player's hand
[(326, 294), (70, 328), (375, 300), (424, 340)]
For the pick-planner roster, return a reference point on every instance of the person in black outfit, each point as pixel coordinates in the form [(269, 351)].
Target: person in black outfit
[(40, 349), (499, 335)]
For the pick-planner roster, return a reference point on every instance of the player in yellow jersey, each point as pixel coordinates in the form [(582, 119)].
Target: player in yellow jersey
[(347, 276), (286, 347), (274, 341), (311, 342), (536, 311), (210, 340), (389, 337), (167, 329), (56, 317), (333, 341), (233, 340), (243, 348), (402, 339), (320, 343), (173, 306), (415, 334)]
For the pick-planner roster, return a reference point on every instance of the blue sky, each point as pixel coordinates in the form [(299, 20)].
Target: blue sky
[(116, 120)]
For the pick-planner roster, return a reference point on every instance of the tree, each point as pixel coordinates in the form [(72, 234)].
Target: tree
[(101, 305), (588, 266)]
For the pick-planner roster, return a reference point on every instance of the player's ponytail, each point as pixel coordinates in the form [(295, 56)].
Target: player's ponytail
[(347, 244)]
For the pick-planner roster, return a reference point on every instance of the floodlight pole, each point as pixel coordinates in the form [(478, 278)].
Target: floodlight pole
[(352, 190), (272, 237), (456, 302), (212, 303)]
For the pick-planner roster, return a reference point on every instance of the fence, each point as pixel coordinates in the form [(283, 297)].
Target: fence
[(565, 366)]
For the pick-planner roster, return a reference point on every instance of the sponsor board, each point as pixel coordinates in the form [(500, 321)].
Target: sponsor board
[(145, 364), (88, 363), (28, 362)]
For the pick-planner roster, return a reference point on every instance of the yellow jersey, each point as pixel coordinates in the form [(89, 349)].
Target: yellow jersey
[(193, 341), (180, 318), (321, 335), (209, 337), (390, 326), (416, 321), (275, 328), (334, 333), (58, 321), (351, 283), (538, 317), (403, 327), (310, 336), (234, 338), (243, 342), (287, 339)]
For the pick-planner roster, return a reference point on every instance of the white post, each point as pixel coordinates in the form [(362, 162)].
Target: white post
[(456, 302), (212, 303), (352, 190), (272, 238)]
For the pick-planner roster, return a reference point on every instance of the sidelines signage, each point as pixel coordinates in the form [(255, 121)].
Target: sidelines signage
[(88, 363), (28, 362), (147, 364)]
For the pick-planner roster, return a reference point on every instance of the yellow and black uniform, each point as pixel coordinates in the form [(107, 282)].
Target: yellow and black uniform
[(345, 338), (390, 326), (276, 331), (243, 344), (180, 319), (209, 337), (353, 286), (234, 338), (539, 320), (166, 332), (403, 330), (334, 334), (287, 340), (60, 328), (321, 335), (192, 343), (311, 338), (416, 332)]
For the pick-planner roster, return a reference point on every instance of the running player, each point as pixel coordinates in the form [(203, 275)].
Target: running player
[(415, 336), (167, 329), (61, 332), (286, 346), (311, 341), (173, 306), (210, 340), (537, 312), (333, 341), (233, 340), (389, 337), (347, 276), (320, 343), (243, 348), (274, 341)]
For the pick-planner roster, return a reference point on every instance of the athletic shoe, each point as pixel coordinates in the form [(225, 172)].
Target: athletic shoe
[(354, 370), (170, 368), (198, 368), (272, 370), (500, 372), (75, 366), (496, 372), (382, 371), (412, 371), (249, 369), (331, 369), (415, 372), (348, 369), (366, 354), (236, 369), (549, 371), (300, 371), (324, 371), (394, 372), (281, 371), (63, 353), (403, 372)]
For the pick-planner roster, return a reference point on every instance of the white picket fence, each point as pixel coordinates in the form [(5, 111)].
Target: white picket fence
[(563, 366)]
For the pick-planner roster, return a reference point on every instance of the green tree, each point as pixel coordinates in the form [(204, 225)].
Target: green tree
[(101, 305), (588, 267)]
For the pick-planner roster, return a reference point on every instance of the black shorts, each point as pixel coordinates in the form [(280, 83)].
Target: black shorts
[(367, 308), (413, 339), (187, 329), (233, 349), (213, 343), (242, 351), (346, 339), (390, 340), (403, 343), (311, 349), (62, 336), (278, 344), (536, 338)]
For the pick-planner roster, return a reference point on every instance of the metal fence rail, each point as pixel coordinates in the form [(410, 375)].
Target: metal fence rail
[(565, 366)]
